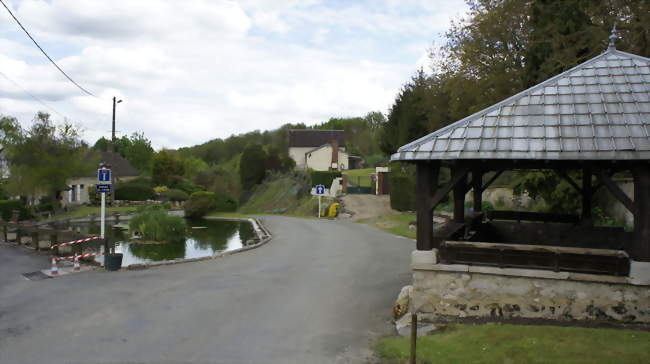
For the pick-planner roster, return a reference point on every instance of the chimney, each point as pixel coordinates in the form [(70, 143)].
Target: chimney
[(335, 154)]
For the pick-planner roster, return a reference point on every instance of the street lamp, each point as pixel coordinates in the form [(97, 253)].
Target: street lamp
[(115, 102)]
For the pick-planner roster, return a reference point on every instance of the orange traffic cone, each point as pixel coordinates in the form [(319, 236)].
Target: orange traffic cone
[(55, 270), (76, 268)]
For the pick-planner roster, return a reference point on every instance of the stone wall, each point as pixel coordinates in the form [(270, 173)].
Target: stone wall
[(468, 294)]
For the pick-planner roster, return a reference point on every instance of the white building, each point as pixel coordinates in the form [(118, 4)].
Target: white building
[(320, 150), (122, 170)]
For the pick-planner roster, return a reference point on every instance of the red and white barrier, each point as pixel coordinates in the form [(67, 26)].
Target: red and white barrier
[(79, 256), (77, 267), (76, 241)]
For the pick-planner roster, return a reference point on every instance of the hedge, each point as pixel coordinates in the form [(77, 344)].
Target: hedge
[(134, 192), (8, 206), (324, 177), (175, 195), (402, 192), (225, 203), (199, 204)]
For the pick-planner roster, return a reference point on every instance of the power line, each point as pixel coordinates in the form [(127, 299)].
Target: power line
[(48, 57), (32, 96)]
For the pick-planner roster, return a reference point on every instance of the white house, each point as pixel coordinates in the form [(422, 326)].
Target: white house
[(320, 150), (122, 170)]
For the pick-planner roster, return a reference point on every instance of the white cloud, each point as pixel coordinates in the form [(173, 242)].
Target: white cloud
[(189, 71)]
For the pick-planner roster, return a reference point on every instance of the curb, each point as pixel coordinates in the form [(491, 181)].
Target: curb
[(263, 237)]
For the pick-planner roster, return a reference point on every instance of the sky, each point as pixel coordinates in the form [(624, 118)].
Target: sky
[(194, 70)]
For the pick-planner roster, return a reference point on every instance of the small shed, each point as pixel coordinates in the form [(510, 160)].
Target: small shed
[(593, 119)]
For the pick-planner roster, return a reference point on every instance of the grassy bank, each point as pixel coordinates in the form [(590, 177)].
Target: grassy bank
[(84, 211), (397, 224), (496, 343)]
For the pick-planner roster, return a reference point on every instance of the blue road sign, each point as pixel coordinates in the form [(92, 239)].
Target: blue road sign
[(320, 189), (104, 175), (104, 188)]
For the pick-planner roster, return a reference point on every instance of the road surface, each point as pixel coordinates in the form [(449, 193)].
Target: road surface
[(319, 292)]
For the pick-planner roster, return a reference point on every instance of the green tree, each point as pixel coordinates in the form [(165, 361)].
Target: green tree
[(193, 166), (420, 108), (251, 166), (562, 35), (42, 158), (167, 168), (137, 150)]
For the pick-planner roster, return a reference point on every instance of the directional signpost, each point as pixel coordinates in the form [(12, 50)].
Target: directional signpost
[(320, 191), (103, 186)]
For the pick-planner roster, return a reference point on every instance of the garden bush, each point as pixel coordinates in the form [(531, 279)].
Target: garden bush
[(8, 206), (154, 223), (134, 192), (402, 192), (175, 195), (324, 177), (199, 204)]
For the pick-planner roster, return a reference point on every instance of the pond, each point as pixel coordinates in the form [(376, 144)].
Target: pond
[(202, 238)]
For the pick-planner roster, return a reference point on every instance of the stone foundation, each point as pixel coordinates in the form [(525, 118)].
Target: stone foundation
[(472, 291)]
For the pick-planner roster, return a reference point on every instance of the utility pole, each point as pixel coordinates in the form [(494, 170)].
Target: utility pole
[(113, 135), (115, 102)]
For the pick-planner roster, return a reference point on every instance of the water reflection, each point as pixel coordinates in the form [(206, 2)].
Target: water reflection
[(203, 238)]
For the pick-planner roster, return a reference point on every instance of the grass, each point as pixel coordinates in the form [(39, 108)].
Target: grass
[(359, 176), (497, 343), (397, 224), (84, 211)]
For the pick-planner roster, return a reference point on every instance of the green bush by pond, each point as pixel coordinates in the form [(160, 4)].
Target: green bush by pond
[(199, 204), (175, 195), (154, 223)]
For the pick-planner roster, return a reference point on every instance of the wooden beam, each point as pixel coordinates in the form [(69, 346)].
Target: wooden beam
[(616, 191), (641, 248), (426, 184), (492, 179), (477, 187), (587, 195), (566, 177), (460, 189), (442, 191)]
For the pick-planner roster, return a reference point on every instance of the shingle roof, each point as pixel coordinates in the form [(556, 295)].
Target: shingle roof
[(120, 167), (305, 138), (597, 110)]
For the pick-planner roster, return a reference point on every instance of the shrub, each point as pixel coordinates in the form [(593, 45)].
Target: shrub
[(324, 177), (225, 203), (134, 192), (175, 195), (160, 189), (167, 205), (252, 167), (186, 186), (402, 192), (199, 204), (154, 223), (8, 206)]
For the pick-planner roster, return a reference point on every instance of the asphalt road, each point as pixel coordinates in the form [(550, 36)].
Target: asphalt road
[(319, 292)]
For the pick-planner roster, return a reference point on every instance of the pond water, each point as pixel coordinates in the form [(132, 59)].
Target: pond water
[(202, 238)]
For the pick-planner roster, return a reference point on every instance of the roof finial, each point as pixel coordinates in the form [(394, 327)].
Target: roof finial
[(613, 38)]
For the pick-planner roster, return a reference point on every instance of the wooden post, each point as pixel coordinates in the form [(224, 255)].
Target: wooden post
[(414, 337), (641, 248), (53, 241), (4, 230), (477, 187), (587, 194), (18, 234), (425, 187), (35, 240), (459, 197)]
